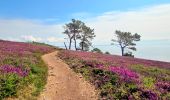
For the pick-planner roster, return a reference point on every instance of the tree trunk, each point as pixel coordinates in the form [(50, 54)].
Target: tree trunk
[(75, 43), (70, 44), (65, 45), (122, 49), (82, 46)]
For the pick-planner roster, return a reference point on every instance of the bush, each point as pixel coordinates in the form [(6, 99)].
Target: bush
[(129, 54), (148, 82), (96, 50), (107, 52), (8, 85)]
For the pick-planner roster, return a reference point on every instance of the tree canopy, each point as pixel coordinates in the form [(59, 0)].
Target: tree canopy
[(126, 40), (96, 50), (77, 30), (86, 36)]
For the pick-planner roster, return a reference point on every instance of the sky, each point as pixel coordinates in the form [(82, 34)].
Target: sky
[(43, 21)]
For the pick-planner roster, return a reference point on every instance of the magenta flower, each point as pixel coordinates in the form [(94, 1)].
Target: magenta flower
[(16, 70), (125, 73), (163, 86), (150, 95)]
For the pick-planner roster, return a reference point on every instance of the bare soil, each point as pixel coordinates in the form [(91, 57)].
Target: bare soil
[(63, 83)]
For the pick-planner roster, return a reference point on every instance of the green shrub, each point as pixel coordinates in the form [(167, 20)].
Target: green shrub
[(160, 74), (148, 82), (12, 61), (85, 71), (8, 85)]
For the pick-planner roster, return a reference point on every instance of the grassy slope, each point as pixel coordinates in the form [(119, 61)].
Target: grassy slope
[(119, 77), (25, 56)]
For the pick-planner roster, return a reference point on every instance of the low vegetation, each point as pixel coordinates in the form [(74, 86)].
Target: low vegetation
[(123, 78), (22, 72)]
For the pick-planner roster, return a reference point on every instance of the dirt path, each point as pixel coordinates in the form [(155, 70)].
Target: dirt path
[(63, 83)]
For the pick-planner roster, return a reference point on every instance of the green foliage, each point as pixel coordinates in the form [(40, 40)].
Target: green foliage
[(98, 72), (8, 85), (105, 88), (26, 81), (36, 69), (77, 30), (39, 72), (131, 87), (148, 82), (85, 71), (97, 50), (158, 73), (86, 36), (121, 93), (107, 85), (12, 85), (129, 54), (126, 40), (107, 82), (84, 45), (72, 30), (12, 61), (107, 52)]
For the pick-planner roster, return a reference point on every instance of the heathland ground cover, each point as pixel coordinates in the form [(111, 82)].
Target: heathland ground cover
[(22, 72), (119, 77)]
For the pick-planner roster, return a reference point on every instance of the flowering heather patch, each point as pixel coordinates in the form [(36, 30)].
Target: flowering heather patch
[(11, 69), (21, 48), (163, 86), (114, 59), (149, 95), (125, 73), (21, 67), (94, 64), (120, 77)]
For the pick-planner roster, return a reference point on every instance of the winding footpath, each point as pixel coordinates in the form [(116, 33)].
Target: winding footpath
[(63, 83)]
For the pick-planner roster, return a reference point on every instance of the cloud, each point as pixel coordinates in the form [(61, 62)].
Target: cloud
[(31, 38), (27, 27), (12, 39), (39, 39), (31, 30), (151, 23), (54, 39)]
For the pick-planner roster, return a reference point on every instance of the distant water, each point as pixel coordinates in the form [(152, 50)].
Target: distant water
[(153, 50), (159, 52), (150, 49)]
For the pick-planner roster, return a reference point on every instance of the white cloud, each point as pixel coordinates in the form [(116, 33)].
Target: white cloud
[(39, 39), (12, 39), (150, 22), (20, 27), (54, 39), (31, 38), (30, 30)]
